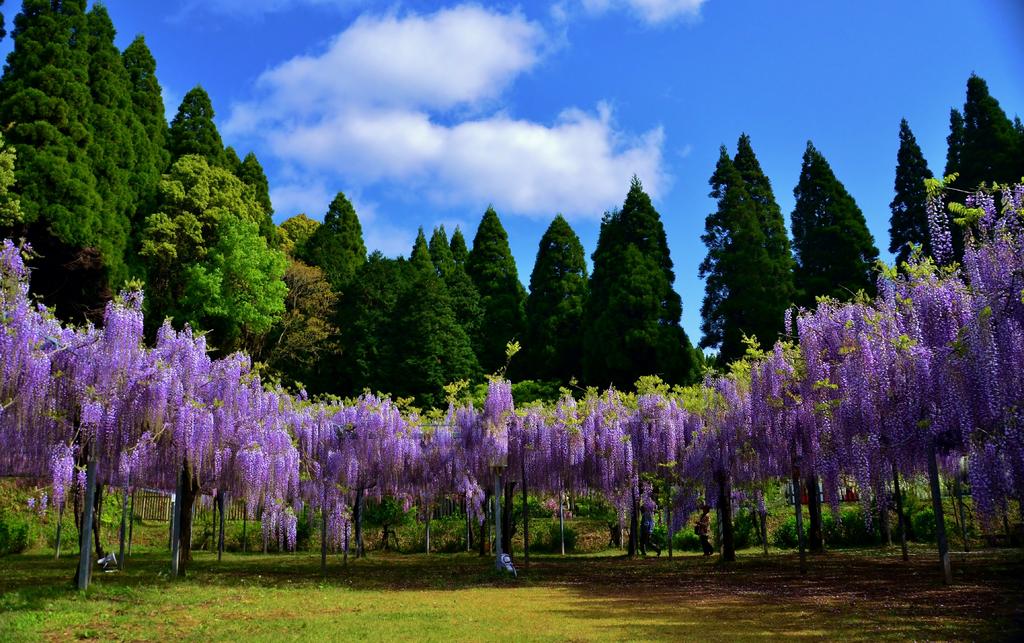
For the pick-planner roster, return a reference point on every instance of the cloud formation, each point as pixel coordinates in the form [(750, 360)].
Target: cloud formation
[(413, 100), (650, 11)]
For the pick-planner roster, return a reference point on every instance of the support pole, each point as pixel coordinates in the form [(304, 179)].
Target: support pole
[(526, 518), (60, 526), (323, 538), (176, 527), (85, 550), (901, 520), (497, 519), (799, 519), (561, 519), (223, 519), (124, 527), (131, 523)]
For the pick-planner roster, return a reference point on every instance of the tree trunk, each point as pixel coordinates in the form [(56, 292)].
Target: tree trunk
[(633, 527), (725, 505), (940, 522), (961, 514), (526, 520), (799, 519), (96, 524), (186, 503), (815, 537), (883, 519), (901, 520), (85, 549)]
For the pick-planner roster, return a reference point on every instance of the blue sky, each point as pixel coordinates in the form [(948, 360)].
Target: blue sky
[(426, 112)]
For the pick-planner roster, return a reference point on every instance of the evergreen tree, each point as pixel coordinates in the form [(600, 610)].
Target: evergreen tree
[(990, 150), (464, 297), (337, 245), (114, 128), (251, 173), (775, 273), (152, 158), (502, 297), (10, 206), (555, 306), (232, 162), (632, 326), (460, 253), (735, 268), (835, 252), (954, 142), (419, 258), (909, 222), (193, 131), (45, 103)]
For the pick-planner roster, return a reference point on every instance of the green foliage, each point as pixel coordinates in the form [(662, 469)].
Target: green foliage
[(14, 534), (908, 224), (337, 245), (251, 173), (835, 252), (551, 540), (193, 131), (632, 321), (686, 539), (460, 253), (555, 306), (388, 511), (294, 232), (149, 139), (207, 262), (502, 297), (10, 206)]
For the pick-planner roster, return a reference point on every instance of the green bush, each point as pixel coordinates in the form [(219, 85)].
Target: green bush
[(553, 543), (784, 536), (14, 532), (595, 507), (686, 540), (744, 529), (850, 530)]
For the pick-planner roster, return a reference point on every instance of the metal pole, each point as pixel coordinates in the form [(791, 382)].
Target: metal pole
[(131, 523), (176, 527), (561, 520), (124, 526), (799, 519), (85, 551)]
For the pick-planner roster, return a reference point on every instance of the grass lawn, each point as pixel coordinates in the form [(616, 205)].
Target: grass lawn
[(866, 594)]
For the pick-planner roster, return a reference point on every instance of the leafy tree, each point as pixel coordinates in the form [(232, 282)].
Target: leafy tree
[(736, 268), (238, 290), (337, 245), (10, 206), (555, 306), (775, 273), (152, 157), (45, 99), (204, 267), (909, 221), (193, 131), (632, 320), (464, 297), (990, 150), (294, 232), (305, 334), (835, 252), (502, 297)]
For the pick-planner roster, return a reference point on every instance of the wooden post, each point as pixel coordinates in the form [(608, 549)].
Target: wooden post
[(124, 526), (131, 523), (901, 520), (428, 531), (176, 526), (940, 523), (323, 537), (85, 550), (561, 519), (497, 519), (799, 518), (526, 517)]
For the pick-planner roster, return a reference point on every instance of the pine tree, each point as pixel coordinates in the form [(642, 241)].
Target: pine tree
[(44, 104), (251, 173), (775, 274), (460, 253), (419, 258), (909, 222), (954, 142), (337, 245), (632, 320), (735, 268), (990, 143), (835, 252), (464, 297), (114, 128), (193, 131), (152, 158), (555, 306), (491, 267)]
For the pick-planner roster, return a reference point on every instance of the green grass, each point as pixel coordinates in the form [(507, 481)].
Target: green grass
[(849, 595)]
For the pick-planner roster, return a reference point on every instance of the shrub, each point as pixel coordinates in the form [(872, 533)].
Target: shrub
[(784, 536), (14, 532), (850, 530), (686, 540)]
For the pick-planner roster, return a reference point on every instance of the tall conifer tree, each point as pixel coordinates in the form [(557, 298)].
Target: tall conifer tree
[(152, 157), (464, 297), (555, 306), (45, 103), (460, 253), (736, 268), (493, 270), (835, 252), (193, 131), (632, 320), (337, 245), (909, 221)]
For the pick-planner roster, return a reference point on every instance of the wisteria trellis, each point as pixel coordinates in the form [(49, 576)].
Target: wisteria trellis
[(930, 371)]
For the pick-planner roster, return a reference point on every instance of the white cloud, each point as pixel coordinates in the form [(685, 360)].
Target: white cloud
[(402, 100), (650, 11)]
